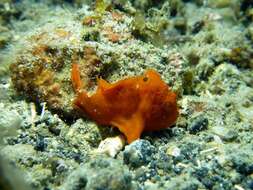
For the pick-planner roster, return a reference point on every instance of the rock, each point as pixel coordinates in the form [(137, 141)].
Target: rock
[(100, 173), (23, 154), (82, 134), (243, 163), (5, 90), (9, 118), (58, 166), (183, 182), (44, 59), (40, 143), (55, 130), (197, 124), (138, 153), (10, 121), (5, 37), (188, 151), (224, 133), (53, 121), (11, 177), (249, 183), (219, 3), (226, 78), (39, 177)]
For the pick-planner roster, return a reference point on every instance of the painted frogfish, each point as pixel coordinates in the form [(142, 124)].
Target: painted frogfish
[(133, 105)]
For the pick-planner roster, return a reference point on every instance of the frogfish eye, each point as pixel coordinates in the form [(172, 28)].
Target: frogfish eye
[(145, 79)]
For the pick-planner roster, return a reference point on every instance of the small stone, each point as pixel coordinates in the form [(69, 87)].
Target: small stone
[(197, 124), (174, 151), (55, 130), (40, 143), (138, 153)]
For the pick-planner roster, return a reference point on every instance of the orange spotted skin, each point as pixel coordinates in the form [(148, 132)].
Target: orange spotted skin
[(133, 105)]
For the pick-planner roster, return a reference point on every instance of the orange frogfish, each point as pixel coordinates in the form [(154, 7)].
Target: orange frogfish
[(133, 105)]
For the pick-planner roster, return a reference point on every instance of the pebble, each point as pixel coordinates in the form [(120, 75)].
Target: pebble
[(197, 124), (174, 151)]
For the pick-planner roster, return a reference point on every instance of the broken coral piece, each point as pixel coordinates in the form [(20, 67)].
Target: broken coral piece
[(111, 145), (133, 105)]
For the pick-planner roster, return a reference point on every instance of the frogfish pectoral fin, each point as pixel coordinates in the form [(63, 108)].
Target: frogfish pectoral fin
[(131, 128)]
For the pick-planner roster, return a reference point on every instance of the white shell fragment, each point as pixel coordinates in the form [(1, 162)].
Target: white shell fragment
[(112, 145)]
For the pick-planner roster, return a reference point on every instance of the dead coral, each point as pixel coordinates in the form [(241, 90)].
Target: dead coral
[(37, 81), (41, 71)]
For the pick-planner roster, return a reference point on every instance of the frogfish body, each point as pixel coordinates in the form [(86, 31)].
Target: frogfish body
[(133, 105)]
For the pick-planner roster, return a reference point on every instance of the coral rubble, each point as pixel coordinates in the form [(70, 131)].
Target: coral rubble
[(202, 50)]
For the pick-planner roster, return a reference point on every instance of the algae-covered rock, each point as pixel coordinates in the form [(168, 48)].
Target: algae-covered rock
[(138, 153), (240, 56), (226, 78), (5, 36), (100, 173), (37, 76), (198, 123), (225, 133), (23, 154), (242, 160), (39, 177), (184, 182), (82, 134), (11, 177), (10, 121)]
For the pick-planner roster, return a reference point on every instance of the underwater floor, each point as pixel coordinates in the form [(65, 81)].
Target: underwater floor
[(54, 132)]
